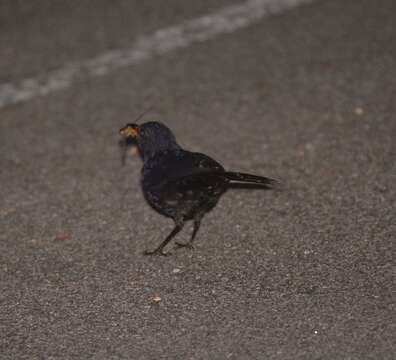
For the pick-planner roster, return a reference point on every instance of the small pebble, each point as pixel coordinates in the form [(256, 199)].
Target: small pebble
[(359, 111), (156, 299), (176, 271), (62, 237), (309, 146)]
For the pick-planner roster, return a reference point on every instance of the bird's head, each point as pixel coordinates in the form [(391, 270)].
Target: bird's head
[(151, 137)]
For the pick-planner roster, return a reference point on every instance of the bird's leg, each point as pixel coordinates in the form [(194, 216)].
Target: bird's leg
[(189, 244), (159, 249)]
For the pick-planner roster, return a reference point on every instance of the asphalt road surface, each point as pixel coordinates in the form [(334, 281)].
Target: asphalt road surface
[(306, 95)]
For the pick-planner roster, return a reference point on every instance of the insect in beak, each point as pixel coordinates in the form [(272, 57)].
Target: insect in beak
[(130, 130)]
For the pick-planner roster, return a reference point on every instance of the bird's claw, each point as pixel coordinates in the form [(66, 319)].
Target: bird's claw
[(156, 252), (183, 245)]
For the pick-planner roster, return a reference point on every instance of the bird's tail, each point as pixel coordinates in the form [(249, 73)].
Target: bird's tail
[(265, 182)]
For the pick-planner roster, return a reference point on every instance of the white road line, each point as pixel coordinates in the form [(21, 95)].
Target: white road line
[(226, 20)]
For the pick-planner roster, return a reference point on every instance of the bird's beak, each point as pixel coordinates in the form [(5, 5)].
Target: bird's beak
[(130, 131)]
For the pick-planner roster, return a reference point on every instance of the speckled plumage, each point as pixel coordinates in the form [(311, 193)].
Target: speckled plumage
[(180, 184)]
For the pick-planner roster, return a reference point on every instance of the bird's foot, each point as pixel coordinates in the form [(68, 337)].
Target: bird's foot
[(156, 252), (184, 245)]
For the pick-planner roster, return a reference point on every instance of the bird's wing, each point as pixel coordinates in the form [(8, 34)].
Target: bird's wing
[(177, 165), (203, 178), (204, 163), (193, 187)]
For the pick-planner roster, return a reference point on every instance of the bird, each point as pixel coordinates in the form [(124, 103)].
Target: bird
[(181, 184)]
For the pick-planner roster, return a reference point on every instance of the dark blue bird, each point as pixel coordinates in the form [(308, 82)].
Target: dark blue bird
[(180, 184)]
